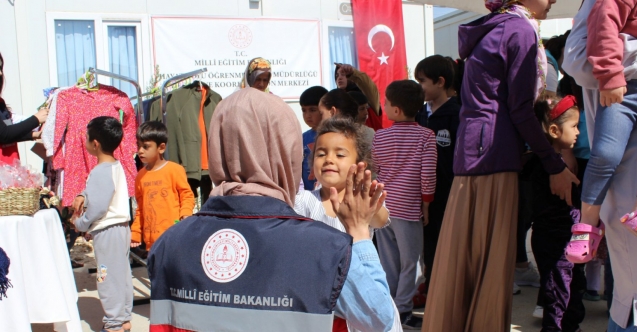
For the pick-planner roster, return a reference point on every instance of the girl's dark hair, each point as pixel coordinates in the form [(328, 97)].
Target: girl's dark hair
[(350, 129), (556, 44), (458, 73), (342, 101), (543, 109), (434, 67)]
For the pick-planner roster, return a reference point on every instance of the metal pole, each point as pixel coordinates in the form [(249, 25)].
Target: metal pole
[(172, 81), (140, 110)]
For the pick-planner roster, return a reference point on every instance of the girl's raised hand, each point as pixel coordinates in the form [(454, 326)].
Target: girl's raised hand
[(377, 189), (358, 206)]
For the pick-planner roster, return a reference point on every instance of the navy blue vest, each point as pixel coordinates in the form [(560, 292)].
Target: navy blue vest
[(247, 263)]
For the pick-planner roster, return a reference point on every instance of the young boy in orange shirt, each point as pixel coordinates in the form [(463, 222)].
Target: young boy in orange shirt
[(161, 188)]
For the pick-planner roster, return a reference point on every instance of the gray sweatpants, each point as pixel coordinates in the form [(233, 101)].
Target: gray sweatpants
[(400, 247), (114, 278)]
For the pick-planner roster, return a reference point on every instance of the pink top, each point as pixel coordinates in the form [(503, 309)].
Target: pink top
[(75, 109), (404, 157), (604, 47)]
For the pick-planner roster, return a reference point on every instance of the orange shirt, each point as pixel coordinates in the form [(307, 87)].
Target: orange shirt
[(163, 197), (204, 132)]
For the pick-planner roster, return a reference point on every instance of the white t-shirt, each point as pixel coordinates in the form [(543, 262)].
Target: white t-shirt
[(308, 204)]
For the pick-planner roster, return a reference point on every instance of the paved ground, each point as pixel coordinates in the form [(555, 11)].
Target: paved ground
[(91, 310)]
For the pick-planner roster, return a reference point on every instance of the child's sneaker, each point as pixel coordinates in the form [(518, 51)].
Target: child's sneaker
[(527, 277), (410, 322), (516, 289), (538, 312), (591, 295)]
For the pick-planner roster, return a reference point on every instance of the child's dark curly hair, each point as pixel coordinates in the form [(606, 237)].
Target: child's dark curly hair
[(350, 129)]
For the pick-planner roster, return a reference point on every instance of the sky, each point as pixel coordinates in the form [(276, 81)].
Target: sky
[(439, 11)]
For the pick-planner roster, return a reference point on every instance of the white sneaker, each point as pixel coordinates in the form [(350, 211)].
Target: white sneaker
[(538, 312), (527, 277), (516, 289)]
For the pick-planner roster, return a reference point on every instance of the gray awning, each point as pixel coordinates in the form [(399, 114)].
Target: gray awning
[(561, 9)]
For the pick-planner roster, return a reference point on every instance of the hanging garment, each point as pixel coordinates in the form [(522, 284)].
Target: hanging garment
[(48, 129), (182, 120), (75, 109)]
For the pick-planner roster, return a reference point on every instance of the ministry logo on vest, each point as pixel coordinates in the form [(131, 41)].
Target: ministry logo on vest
[(443, 138), (225, 255)]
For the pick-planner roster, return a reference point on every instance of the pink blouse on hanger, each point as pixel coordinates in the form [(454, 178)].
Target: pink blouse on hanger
[(75, 109)]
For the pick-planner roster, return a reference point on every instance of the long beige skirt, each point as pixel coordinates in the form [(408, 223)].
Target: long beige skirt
[(472, 276)]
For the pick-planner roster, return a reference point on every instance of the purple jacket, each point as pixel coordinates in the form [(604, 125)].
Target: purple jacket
[(497, 115)]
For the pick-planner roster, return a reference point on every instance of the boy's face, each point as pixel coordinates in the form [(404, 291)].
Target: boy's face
[(312, 116), (92, 146), (432, 90), (393, 112), (362, 113), (149, 152)]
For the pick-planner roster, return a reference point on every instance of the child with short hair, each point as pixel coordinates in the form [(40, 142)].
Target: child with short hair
[(436, 77), (562, 283), (162, 191), (309, 101), (404, 157), (103, 211), (339, 145), (338, 102)]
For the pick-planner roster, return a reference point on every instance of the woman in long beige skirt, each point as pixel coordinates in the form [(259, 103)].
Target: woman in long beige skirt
[(475, 256), (472, 276)]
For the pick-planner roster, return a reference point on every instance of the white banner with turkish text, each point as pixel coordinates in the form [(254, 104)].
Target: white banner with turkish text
[(225, 46)]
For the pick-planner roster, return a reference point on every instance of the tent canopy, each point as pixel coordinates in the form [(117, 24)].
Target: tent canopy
[(560, 9)]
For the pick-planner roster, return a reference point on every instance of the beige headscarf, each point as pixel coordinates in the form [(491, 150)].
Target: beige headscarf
[(255, 147)]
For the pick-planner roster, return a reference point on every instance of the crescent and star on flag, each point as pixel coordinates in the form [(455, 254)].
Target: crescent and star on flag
[(380, 28)]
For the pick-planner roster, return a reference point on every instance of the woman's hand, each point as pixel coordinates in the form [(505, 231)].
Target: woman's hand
[(561, 185), (42, 114), (36, 135), (358, 206), (346, 70)]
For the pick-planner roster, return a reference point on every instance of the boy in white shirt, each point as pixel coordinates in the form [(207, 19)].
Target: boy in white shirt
[(103, 211)]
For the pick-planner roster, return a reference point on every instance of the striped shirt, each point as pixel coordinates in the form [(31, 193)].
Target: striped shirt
[(404, 157)]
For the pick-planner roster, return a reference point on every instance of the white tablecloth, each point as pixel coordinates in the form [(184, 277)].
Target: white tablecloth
[(43, 284)]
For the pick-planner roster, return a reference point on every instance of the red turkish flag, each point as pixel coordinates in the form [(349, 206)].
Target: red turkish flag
[(380, 43)]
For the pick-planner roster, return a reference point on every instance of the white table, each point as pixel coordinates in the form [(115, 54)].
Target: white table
[(43, 284)]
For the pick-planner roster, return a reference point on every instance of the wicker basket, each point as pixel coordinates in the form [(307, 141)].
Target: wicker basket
[(19, 201)]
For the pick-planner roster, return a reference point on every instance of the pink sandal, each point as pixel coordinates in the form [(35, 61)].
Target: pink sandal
[(630, 221), (584, 242)]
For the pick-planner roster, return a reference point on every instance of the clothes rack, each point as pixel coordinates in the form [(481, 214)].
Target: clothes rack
[(147, 94), (139, 111), (172, 81)]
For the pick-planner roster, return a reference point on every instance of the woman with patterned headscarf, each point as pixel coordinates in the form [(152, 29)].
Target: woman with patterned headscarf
[(257, 75), (505, 70)]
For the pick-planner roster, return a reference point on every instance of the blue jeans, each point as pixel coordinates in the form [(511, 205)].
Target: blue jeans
[(613, 327), (614, 125)]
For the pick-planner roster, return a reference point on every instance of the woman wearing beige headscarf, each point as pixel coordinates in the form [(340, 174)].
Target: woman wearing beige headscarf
[(257, 75), (247, 239)]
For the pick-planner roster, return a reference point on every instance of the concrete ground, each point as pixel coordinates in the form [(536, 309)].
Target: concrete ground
[(91, 311)]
